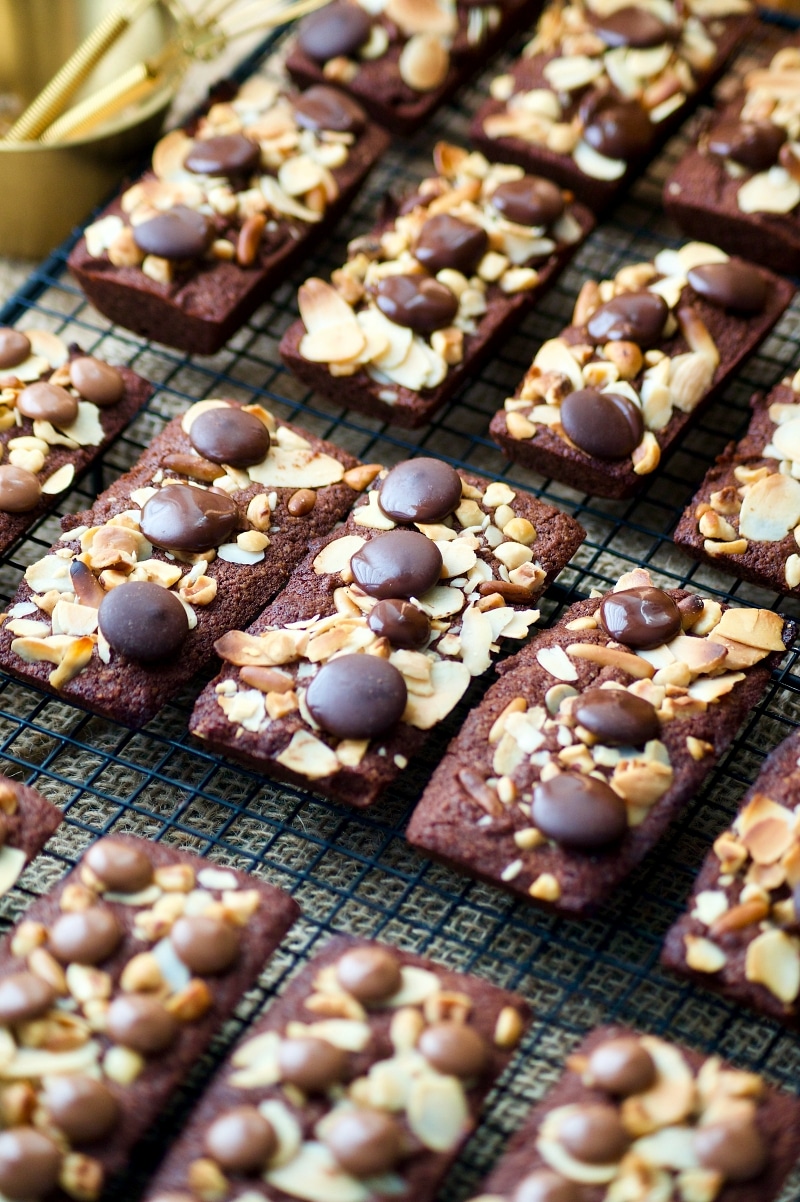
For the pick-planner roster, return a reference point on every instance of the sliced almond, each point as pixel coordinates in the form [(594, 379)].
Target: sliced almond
[(771, 508), (762, 628), (773, 960), (424, 62), (597, 653)]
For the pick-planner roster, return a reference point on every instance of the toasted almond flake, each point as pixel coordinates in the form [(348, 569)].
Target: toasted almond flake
[(308, 756), (712, 688), (336, 555), (709, 905), (760, 628), (60, 480), (296, 467), (773, 960), (12, 862), (449, 681), (556, 661), (437, 1112), (634, 665), (704, 956)]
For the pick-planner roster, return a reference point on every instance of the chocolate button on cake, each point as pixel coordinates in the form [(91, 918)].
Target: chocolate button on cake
[(370, 974), (420, 490), (48, 402), (15, 347), (616, 717), (637, 317), (454, 1049), (621, 1067), (83, 1108), (30, 1164), (400, 563), (531, 200), (605, 424), (594, 1134), (207, 946), (640, 617), (579, 811), (753, 144), (24, 996), (20, 490), (312, 1064), (96, 381), (320, 108), (229, 155), (86, 936), (177, 233), (357, 696), (141, 1023), (231, 436), (615, 127), (446, 241), (401, 623), (241, 1140), (144, 621), (119, 865), (638, 28), (734, 285), (547, 1186), (418, 302), (365, 1143), (338, 30), (183, 518)]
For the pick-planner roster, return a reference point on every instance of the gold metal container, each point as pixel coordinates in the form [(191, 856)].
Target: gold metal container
[(46, 190)]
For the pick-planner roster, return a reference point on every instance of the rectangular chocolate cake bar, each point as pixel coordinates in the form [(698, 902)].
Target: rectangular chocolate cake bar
[(192, 542), (187, 253), (744, 517), (382, 628), (637, 1118), (59, 410), (110, 990), (27, 820), (739, 933), (361, 1082), (596, 735), (600, 87), (646, 352), (741, 178), (428, 295)]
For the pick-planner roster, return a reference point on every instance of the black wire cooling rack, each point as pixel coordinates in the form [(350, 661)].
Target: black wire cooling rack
[(353, 871)]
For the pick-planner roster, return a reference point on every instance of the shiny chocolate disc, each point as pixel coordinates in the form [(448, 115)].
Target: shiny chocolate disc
[(338, 30), (401, 623), (320, 108), (579, 811), (357, 696), (616, 717), (15, 347), (142, 1023), (615, 127), (370, 974), (24, 996), (365, 1143), (637, 317), (229, 155), (733, 1147), (446, 241), (119, 865), (604, 424), (30, 1164), (181, 517), (622, 1067), (417, 302), (421, 490), (96, 381), (734, 285), (49, 403), (20, 490), (85, 936), (400, 563), (642, 618), (230, 435), (241, 1140), (754, 144), (635, 27), (528, 201), (143, 620), (594, 1134), (543, 1185), (82, 1108), (177, 233)]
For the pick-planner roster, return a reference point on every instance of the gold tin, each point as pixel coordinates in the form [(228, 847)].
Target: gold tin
[(46, 190)]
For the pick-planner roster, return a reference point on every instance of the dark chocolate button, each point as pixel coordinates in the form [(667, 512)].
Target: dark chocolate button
[(446, 241), (49, 403), (418, 302), (241, 1140), (421, 490), (96, 381), (734, 1148), (546, 1186), (401, 623), (85, 936), (15, 347), (579, 811), (454, 1049), (400, 563), (30, 1164), (615, 127), (230, 155), (24, 996), (616, 717), (313, 1065), (141, 1023), (320, 108), (365, 1143), (622, 1067), (634, 27), (20, 490), (370, 974), (604, 424), (632, 317), (230, 436), (594, 1134), (357, 696), (640, 617), (183, 518), (528, 201), (120, 866), (84, 1109), (144, 621), (754, 144), (177, 233), (734, 285), (206, 945), (340, 29)]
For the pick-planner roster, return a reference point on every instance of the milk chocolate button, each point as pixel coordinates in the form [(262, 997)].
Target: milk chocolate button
[(120, 866), (370, 974), (446, 241), (734, 1148), (85, 936), (579, 811), (616, 717), (416, 301), (615, 127), (313, 1065), (733, 285), (182, 518), (632, 317), (49, 403), (594, 1134), (400, 563), (528, 201), (230, 436), (634, 27), (206, 945), (365, 1142), (141, 1023), (30, 1163), (84, 1109), (24, 996), (604, 424), (338, 30), (546, 1186), (320, 108), (357, 696), (420, 490), (177, 233), (14, 347), (96, 381), (143, 620), (621, 1067), (20, 490), (454, 1049), (642, 617), (229, 155), (241, 1140), (401, 623), (754, 144)]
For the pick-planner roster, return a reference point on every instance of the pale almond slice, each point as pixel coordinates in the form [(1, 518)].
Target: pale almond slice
[(702, 955), (772, 191), (336, 555), (691, 377), (557, 663), (334, 343), (771, 508), (313, 1175), (699, 655), (422, 16), (771, 838), (696, 254), (450, 681), (773, 960), (60, 480), (296, 467), (697, 335), (711, 688), (299, 175), (596, 165), (570, 73), (761, 628), (555, 356), (286, 205), (169, 155), (308, 756), (597, 653), (424, 62), (786, 440)]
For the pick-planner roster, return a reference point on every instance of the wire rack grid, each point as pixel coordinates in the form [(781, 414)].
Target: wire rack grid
[(353, 871)]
